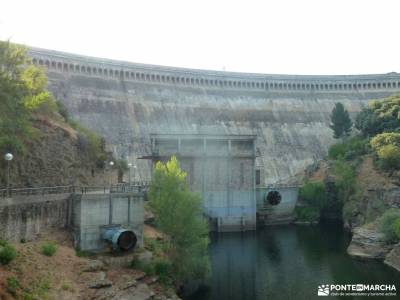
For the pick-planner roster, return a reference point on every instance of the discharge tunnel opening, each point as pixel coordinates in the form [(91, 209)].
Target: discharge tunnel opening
[(127, 240), (273, 198)]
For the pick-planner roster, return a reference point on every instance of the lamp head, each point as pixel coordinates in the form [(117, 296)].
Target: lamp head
[(8, 156)]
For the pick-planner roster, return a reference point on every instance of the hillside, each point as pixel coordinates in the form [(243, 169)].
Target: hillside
[(70, 274), (53, 157)]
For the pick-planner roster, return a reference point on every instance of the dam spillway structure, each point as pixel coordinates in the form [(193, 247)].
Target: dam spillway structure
[(127, 103)]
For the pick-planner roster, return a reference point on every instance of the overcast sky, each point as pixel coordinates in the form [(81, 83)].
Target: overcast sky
[(281, 36)]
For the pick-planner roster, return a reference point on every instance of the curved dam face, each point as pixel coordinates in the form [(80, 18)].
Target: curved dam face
[(289, 115)]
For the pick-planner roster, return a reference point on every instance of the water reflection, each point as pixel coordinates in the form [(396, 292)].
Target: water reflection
[(286, 262)]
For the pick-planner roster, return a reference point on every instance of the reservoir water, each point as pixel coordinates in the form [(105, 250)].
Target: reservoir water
[(287, 262)]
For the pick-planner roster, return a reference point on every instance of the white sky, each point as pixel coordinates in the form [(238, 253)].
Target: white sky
[(281, 36)]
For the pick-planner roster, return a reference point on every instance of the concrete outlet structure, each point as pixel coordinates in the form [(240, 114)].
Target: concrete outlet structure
[(94, 213), (221, 168)]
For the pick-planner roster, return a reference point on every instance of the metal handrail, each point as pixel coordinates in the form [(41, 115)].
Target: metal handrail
[(70, 189)]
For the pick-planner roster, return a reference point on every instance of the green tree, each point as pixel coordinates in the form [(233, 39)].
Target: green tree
[(178, 213), (341, 122), (380, 116), (22, 93)]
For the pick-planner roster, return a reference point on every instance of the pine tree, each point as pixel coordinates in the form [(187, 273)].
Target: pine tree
[(341, 122)]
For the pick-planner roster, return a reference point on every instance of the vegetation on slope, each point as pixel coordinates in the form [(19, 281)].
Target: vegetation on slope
[(29, 114), (377, 139)]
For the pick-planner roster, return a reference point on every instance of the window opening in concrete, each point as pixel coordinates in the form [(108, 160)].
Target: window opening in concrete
[(258, 177)]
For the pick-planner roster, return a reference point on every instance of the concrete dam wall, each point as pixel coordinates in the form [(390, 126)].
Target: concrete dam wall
[(127, 102)]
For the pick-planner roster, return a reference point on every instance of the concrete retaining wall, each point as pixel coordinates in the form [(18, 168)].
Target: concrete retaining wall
[(25, 217)]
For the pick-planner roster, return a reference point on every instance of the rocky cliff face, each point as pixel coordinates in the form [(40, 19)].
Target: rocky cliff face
[(289, 114)]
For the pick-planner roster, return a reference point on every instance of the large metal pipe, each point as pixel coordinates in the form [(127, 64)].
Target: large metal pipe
[(121, 239)]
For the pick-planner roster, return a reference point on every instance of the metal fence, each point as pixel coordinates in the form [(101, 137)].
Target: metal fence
[(70, 189)]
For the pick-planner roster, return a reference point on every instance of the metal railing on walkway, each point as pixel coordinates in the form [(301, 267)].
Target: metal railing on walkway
[(141, 186)]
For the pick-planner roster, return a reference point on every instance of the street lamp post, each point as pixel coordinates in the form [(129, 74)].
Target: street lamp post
[(129, 166), (111, 163), (8, 157), (134, 172)]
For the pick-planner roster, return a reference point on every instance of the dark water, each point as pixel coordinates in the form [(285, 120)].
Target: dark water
[(287, 262)]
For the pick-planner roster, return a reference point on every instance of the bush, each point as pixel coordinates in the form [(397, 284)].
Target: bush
[(163, 268), (90, 143), (63, 111), (12, 285), (396, 228), (83, 253), (387, 149), (147, 268), (383, 139), (381, 116), (7, 252), (314, 194), (388, 224), (307, 213), (49, 249), (349, 149), (389, 156)]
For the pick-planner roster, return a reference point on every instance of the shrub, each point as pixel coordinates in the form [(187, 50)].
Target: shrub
[(83, 253), (307, 213), (387, 224), (163, 269), (349, 149), (381, 116), (314, 194), (387, 149), (12, 285), (7, 253), (63, 111), (147, 268), (387, 138), (389, 156), (396, 228), (49, 249)]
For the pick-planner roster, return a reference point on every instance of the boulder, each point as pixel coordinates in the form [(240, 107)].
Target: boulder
[(94, 265)]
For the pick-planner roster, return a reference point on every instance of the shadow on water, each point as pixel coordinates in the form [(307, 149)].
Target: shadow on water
[(286, 262)]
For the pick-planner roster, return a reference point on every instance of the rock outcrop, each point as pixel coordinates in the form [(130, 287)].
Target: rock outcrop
[(368, 244), (393, 258)]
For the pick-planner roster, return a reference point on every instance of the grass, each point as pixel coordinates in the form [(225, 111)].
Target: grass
[(83, 253)]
